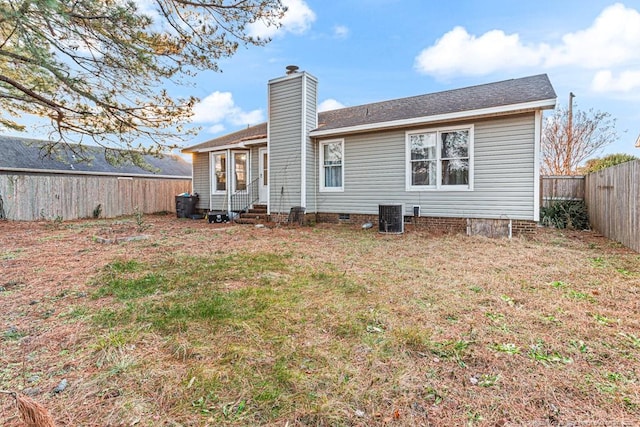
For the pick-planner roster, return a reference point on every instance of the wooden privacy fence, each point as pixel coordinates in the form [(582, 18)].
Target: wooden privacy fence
[(561, 187), (31, 197), (613, 201)]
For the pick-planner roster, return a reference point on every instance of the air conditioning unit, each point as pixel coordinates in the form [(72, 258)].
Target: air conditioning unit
[(391, 218)]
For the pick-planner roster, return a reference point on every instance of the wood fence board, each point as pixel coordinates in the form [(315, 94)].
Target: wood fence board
[(613, 201), (31, 197), (557, 187)]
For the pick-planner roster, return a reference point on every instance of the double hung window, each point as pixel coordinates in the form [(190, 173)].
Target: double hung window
[(229, 171), (440, 159), (332, 165), (220, 172)]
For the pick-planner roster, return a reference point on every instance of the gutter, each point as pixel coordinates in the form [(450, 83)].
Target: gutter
[(461, 115), (243, 144)]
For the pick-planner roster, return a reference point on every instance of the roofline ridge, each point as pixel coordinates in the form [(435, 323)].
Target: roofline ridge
[(87, 146), (439, 92)]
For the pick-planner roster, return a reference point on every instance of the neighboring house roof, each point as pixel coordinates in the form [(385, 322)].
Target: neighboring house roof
[(638, 142), (523, 94), (22, 155)]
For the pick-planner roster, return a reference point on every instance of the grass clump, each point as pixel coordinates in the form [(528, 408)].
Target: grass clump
[(540, 353), (508, 348)]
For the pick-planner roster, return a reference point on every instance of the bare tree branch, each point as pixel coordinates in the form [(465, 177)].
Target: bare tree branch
[(563, 151), (98, 68)]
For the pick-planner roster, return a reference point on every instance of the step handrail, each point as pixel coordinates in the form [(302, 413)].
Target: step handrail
[(242, 200)]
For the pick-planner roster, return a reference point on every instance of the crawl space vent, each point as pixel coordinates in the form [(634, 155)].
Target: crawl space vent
[(391, 219)]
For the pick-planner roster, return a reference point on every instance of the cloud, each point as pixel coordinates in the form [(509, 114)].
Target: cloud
[(459, 52), (296, 20), (626, 81), (219, 107), (330, 104), (250, 118), (612, 40), (340, 32), (215, 128)]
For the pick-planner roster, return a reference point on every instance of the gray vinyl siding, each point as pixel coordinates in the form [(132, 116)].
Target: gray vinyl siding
[(503, 174), (254, 166), (286, 127), (201, 179), (311, 123), (219, 202)]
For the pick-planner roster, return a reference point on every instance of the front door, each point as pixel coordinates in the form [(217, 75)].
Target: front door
[(264, 175)]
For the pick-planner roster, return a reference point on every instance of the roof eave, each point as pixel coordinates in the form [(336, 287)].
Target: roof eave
[(242, 144), (216, 148), (257, 141), (461, 115)]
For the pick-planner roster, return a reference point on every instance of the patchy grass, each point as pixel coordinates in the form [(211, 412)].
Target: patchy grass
[(331, 325)]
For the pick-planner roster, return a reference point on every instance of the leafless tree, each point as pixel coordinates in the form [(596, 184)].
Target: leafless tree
[(570, 139)]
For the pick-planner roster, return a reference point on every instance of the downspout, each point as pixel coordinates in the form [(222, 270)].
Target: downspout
[(315, 174), (228, 186), (269, 149), (536, 164), (211, 180)]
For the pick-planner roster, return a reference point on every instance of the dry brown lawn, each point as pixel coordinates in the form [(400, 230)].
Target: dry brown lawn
[(203, 324)]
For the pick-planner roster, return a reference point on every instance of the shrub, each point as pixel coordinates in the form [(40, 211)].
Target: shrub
[(597, 164), (566, 214)]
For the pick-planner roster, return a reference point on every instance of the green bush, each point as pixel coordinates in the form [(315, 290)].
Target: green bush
[(570, 214), (597, 163)]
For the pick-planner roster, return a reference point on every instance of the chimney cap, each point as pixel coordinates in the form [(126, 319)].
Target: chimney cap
[(292, 69)]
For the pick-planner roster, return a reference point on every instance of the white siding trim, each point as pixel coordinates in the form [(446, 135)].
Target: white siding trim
[(472, 139), (251, 142), (537, 141), (212, 178), (269, 147), (243, 144), (513, 108), (438, 187), (303, 145), (292, 76), (322, 188), (231, 171)]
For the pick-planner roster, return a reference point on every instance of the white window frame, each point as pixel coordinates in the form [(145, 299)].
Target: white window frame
[(323, 188), (438, 186), (213, 171), (233, 166)]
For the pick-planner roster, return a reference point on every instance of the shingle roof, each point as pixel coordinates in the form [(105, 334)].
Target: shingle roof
[(499, 94), (26, 154), (248, 134), (490, 95)]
